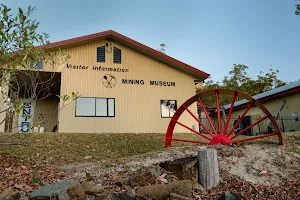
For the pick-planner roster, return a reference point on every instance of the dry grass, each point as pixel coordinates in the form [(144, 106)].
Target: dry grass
[(60, 148)]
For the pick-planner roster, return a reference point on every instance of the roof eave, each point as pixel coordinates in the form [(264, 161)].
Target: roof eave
[(112, 35), (270, 97)]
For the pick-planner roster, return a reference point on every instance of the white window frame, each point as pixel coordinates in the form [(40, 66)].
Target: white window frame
[(171, 113)]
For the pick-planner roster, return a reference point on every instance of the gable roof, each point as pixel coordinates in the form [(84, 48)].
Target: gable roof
[(119, 38), (270, 95)]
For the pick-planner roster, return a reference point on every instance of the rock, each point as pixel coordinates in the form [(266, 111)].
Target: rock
[(183, 169), (231, 196), (129, 191), (118, 196), (104, 197), (163, 191), (97, 189), (264, 173), (121, 181), (92, 188), (9, 194), (141, 179), (156, 171), (76, 192), (58, 189), (86, 185), (174, 196), (121, 196), (162, 178), (199, 188)]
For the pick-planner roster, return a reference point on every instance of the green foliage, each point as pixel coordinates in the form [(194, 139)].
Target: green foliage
[(162, 48), (297, 11), (65, 98), (21, 49), (238, 79), (36, 179)]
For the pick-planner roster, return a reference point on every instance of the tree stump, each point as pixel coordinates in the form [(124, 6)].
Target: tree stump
[(208, 169)]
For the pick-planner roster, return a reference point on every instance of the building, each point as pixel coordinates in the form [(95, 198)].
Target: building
[(124, 87), (282, 102)]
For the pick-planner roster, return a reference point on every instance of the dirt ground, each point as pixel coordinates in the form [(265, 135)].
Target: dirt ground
[(257, 170), (265, 164)]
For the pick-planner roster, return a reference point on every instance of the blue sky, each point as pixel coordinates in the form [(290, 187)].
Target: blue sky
[(209, 35)]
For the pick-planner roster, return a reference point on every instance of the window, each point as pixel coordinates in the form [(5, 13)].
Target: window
[(168, 108), (101, 54), (85, 107), (117, 55), (95, 107), (39, 64)]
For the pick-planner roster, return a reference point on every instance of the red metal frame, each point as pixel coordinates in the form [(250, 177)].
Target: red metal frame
[(218, 135)]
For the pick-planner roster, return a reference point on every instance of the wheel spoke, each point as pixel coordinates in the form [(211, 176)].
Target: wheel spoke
[(230, 113), (252, 125), (192, 141), (206, 129), (219, 114), (255, 137), (224, 132), (198, 133), (207, 115), (240, 119)]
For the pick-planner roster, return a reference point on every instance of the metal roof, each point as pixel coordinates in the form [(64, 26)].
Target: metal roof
[(268, 93)]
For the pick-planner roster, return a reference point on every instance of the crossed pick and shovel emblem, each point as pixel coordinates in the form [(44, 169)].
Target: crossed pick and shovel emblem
[(109, 81)]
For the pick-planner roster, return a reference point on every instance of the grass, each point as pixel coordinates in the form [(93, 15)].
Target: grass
[(62, 148)]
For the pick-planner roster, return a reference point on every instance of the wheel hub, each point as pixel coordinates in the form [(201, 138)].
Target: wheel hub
[(223, 139)]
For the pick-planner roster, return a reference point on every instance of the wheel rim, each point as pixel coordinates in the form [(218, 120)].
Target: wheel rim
[(221, 133)]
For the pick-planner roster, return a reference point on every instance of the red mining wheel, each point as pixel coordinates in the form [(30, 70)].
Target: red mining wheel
[(214, 134)]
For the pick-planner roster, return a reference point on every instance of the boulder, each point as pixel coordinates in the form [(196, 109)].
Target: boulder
[(92, 188), (156, 171), (231, 196), (104, 197), (163, 191), (141, 179), (58, 189), (198, 187), (183, 169), (129, 191), (119, 182), (9, 194), (120, 196), (76, 192), (174, 196)]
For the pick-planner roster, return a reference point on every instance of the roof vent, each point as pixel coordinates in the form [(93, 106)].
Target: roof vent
[(117, 55), (101, 54)]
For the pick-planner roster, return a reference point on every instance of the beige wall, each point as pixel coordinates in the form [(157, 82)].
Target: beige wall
[(2, 110), (292, 105), (137, 106), (3, 103)]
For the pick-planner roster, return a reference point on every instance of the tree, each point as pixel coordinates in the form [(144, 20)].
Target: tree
[(297, 11), (238, 79), (162, 48), (20, 59)]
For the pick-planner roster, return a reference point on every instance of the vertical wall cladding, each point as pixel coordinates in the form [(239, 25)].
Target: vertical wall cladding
[(137, 106), (292, 105)]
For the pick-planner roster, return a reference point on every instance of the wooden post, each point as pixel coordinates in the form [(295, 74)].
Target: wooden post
[(208, 169)]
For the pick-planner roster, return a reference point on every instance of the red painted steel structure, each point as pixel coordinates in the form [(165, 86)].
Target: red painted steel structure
[(217, 135)]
